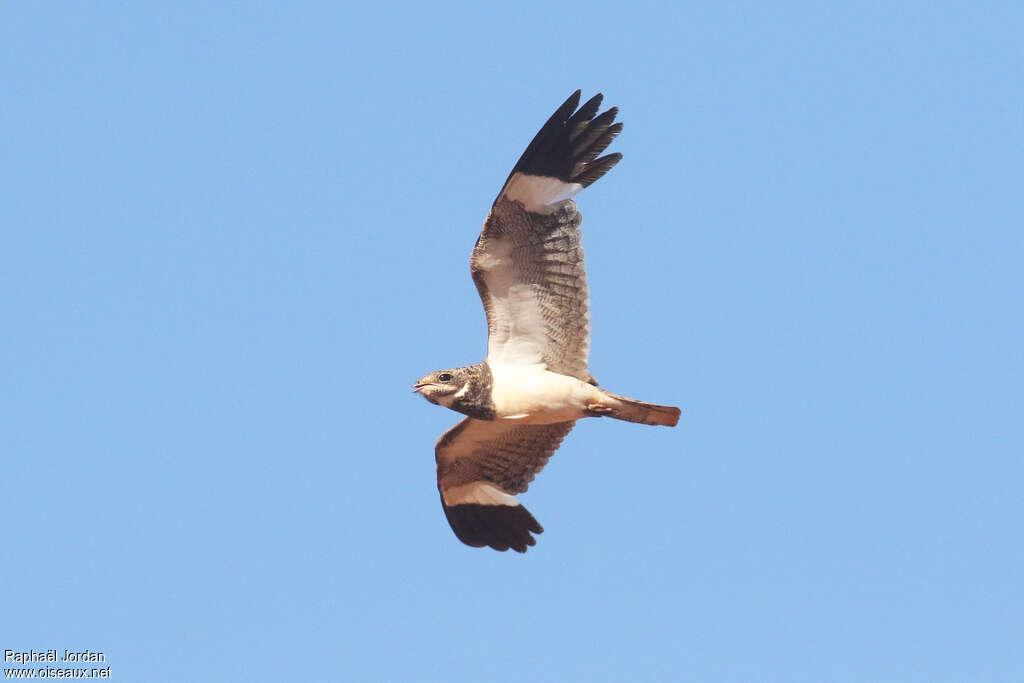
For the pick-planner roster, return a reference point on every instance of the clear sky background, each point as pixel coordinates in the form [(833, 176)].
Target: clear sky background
[(234, 235)]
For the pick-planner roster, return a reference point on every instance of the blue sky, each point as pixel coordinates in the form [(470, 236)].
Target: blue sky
[(233, 236)]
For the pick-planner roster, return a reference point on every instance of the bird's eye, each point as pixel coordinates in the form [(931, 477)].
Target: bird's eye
[(445, 377)]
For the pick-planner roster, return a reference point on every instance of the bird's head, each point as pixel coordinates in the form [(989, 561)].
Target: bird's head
[(443, 387)]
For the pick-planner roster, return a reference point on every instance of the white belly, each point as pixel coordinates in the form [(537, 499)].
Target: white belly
[(532, 395)]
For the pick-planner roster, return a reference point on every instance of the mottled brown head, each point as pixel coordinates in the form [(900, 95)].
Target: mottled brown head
[(466, 390)]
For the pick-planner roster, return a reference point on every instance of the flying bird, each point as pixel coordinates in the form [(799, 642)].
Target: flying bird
[(525, 397)]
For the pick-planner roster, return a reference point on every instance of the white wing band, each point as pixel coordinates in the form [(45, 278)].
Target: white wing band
[(480, 493), (540, 194)]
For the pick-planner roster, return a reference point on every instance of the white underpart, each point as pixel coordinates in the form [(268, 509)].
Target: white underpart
[(540, 194), (531, 394), (519, 337), (480, 493)]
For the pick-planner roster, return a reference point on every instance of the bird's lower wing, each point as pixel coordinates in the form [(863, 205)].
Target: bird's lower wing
[(480, 466)]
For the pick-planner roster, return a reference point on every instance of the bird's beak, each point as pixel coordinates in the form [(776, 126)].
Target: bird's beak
[(418, 387)]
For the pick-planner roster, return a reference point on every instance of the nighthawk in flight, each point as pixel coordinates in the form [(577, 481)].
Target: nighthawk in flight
[(523, 399)]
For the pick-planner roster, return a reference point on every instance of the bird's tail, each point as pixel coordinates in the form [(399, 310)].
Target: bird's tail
[(631, 410)]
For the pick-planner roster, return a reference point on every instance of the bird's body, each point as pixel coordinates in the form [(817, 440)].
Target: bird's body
[(523, 399), (532, 395)]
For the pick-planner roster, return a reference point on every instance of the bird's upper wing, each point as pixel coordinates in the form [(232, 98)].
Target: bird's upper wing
[(480, 466), (528, 262)]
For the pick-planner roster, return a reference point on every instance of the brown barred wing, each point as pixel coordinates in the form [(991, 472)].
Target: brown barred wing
[(480, 466), (528, 263)]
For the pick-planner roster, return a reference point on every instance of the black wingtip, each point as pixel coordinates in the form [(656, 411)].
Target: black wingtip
[(501, 527), (567, 145)]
